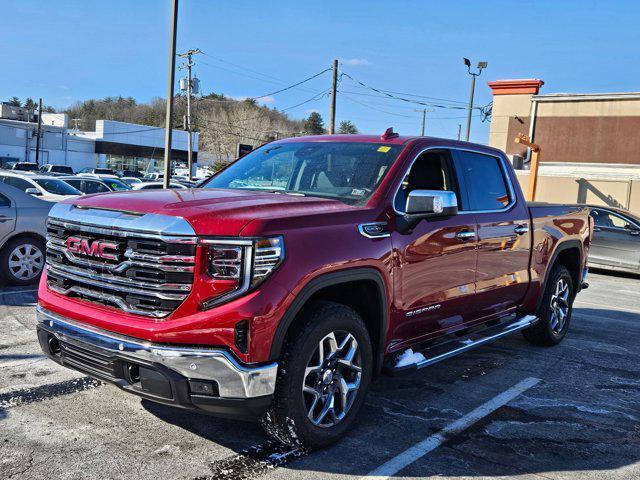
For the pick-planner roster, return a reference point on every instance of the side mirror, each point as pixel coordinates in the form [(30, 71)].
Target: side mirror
[(431, 203), (632, 229), (33, 191), (423, 204)]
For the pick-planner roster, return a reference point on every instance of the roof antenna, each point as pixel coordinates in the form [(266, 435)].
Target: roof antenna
[(389, 134)]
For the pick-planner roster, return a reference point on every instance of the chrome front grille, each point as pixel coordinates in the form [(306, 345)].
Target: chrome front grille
[(144, 273)]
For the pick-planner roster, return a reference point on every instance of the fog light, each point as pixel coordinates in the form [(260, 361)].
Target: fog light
[(199, 387)]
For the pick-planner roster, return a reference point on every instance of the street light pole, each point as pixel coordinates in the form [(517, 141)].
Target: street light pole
[(169, 113), (481, 66)]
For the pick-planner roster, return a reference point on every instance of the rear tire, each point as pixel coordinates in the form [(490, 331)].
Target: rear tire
[(22, 260), (555, 311), (323, 377)]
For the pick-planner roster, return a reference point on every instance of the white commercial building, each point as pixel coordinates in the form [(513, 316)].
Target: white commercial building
[(117, 145)]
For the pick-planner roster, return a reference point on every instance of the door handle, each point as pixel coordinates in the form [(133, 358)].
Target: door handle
[(521, 229), (465, 235)]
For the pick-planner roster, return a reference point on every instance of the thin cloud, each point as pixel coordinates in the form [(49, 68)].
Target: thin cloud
[(355, 62)]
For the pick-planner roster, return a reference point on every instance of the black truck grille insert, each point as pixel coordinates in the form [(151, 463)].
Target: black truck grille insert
[(137, 273)]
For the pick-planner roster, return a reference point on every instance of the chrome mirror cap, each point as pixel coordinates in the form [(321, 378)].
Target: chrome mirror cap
[(431, 203)]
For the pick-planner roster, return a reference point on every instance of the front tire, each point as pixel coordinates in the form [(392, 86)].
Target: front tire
[(22, 260), (555, 311), (323, 378)]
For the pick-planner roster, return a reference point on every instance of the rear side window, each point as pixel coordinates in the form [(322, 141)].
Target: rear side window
[(485, 181), (19, 183), (4, 201)]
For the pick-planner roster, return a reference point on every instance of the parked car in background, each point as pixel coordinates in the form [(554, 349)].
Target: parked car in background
[(56, 170), (616, 240), (155, 185), (98, 171), (22, 166), (131, 180), (22, 235), (88, 185), (129, 173), (44, 186)]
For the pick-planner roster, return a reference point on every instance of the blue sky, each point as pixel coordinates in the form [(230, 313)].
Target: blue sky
[(68, 50)]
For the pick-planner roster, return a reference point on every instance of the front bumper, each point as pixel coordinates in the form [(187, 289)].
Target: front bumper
[(211, 380)]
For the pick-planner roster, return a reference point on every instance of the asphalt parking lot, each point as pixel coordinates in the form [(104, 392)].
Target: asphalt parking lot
[(506, 409)]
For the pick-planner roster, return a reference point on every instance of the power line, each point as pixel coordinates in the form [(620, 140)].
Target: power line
[(294, 85), (418, 96), (382, 92), (374, 108)]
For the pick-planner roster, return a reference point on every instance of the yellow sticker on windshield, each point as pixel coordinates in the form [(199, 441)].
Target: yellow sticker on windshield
[(384, 149)]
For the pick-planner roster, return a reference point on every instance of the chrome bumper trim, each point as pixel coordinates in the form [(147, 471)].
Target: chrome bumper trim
[(234, 380)]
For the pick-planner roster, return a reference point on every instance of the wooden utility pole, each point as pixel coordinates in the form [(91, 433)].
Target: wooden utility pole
[(535, 162), (334, 86), (38, 132), (188, 54), (169, 113)]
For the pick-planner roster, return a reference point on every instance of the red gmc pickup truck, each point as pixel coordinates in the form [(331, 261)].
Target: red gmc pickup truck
[(288, 281)]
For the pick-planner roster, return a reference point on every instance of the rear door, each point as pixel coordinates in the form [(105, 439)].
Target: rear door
[(7, 217), (504, 240), (616, 241), (435, 268)]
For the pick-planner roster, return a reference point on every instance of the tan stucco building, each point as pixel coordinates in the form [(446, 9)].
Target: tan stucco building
[(590, 142)]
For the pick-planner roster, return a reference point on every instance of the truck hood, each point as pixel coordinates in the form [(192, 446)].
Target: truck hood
[(212, 211)]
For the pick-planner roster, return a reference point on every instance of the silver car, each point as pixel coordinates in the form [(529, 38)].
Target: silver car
[(616, 240), (22, 235)]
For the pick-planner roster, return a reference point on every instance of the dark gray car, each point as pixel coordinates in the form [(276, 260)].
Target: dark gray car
[(22, 235), (616, 240)]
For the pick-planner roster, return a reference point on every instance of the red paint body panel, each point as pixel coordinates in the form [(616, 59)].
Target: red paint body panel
[(469, 281)]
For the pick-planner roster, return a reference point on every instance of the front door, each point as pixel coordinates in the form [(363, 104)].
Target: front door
[(435, 263), (504, 240), (616, 241)]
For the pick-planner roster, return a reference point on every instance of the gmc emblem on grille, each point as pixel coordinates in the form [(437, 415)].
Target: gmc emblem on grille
[(97, 248)]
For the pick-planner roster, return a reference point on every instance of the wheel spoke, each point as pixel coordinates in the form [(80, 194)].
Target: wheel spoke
[(333, 344)]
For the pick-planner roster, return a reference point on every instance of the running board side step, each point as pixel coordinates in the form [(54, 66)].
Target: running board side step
[(441, 351)]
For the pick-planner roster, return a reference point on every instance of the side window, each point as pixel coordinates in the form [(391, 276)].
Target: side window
[(19, 183), (485, 181), (94, 187), (75, 184), (602, 218), (431, 171), (4, 201)]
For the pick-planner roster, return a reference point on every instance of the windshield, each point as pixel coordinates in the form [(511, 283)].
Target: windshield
[(26, 167), (57, 187), (103, 171), (345, 171), (116, 185)]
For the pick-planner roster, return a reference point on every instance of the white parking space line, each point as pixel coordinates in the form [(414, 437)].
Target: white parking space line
[(429, 444)]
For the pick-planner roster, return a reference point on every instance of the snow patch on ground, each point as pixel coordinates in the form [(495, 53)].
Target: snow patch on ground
[(409, 357)]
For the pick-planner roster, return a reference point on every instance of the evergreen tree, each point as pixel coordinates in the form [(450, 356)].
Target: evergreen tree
[(314, 125), (347, 127), (14, 101), (29, 104)]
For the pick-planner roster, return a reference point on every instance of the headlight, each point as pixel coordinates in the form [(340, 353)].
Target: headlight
[(235, 266)]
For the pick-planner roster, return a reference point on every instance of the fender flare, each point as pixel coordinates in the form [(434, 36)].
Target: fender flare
[(560, 247), (330, 280)]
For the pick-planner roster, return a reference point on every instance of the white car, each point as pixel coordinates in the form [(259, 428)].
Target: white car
[(131, 180), (155, 185), (97, 175), (42, 186)]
